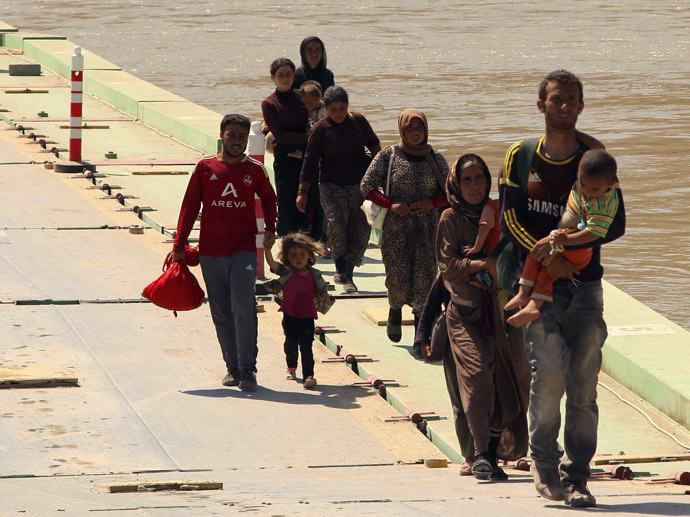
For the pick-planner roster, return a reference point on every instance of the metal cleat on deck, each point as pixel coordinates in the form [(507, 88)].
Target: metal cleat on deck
[(523, 464), (136, 209), (615, 472), (416, 417), (103, 186), (378, 384), (89, 176), (31, 136), (53, 150), (327, 329), (118, 196), (347, 357), (677, 477)]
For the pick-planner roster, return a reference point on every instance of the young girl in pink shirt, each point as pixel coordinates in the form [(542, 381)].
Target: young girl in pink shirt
[(301, 292)]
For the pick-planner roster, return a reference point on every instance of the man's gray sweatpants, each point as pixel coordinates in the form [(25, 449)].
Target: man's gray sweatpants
[(230, 282)]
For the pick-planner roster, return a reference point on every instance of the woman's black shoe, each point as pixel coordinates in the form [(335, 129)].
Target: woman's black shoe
[(393, 327)]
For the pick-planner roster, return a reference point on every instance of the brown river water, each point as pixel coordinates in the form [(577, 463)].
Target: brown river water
[(472, 67)]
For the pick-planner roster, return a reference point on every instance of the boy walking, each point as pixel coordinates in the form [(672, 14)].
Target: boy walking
[(226, 185)]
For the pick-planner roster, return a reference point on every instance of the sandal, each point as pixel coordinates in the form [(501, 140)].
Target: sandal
[(499, 474), (466, 469), (482, 469)]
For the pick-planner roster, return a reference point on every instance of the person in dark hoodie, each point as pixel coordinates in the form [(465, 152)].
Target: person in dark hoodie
[(313, 54)]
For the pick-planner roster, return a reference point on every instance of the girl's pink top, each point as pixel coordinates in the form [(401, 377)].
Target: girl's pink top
[(298, 296)]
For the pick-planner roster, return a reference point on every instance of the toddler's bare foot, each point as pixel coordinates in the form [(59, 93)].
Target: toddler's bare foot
[(519, 300), (529, 313)]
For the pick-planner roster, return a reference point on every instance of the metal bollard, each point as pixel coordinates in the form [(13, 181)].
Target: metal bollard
[(76, 105), (255, 150)]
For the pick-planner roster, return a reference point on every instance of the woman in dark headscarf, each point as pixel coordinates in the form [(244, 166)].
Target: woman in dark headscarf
[(418, 175), (313, 54), (492, 371)]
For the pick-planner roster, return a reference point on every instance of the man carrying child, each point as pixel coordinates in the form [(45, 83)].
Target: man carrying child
[(564, 343)]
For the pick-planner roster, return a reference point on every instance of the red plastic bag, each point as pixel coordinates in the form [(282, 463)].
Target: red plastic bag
[(176, 289), (191, 256)]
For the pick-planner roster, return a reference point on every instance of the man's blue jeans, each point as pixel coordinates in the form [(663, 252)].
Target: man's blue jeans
[(564, 351)]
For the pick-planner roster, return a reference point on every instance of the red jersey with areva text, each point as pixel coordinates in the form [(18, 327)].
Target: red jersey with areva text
[(228, 220)]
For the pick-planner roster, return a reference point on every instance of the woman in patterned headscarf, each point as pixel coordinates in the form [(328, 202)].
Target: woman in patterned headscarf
[(493, 376), (418, 176)]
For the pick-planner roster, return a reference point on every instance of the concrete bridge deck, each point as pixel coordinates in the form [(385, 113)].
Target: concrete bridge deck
[(149, 405)]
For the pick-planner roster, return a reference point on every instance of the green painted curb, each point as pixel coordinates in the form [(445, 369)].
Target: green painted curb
[(125, 91), (16, 40), (648, 354), (186, 121), (56, 54), (6, 27)]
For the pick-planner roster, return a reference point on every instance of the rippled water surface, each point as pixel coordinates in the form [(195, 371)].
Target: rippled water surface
[(473, 67)]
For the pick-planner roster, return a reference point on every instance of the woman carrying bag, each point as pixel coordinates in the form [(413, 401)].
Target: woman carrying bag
[(417, 176)]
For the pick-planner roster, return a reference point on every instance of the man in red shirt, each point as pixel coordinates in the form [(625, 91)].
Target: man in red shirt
[(227, 184)]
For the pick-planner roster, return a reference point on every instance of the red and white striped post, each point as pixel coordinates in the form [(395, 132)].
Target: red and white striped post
[(255, 150), (75, 112)]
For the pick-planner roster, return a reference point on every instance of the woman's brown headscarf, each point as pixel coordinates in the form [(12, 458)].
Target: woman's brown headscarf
[(463, 209), (424, 149)]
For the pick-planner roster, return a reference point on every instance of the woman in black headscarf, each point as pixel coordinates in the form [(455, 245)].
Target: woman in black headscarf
[(313, 54), (492, 371)]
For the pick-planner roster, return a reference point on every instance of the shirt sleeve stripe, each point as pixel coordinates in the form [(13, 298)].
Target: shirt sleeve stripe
[(508, 164), (520, 234)]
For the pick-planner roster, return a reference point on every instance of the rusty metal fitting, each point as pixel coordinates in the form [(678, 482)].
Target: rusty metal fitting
[(414, 416), (619, 471), (523, 464), (349, 358), (375, 382)]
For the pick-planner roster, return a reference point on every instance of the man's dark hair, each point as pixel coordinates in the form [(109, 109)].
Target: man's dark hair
[(563, 77), (281, 61), (598, 163), (234, 118), (335, 94)]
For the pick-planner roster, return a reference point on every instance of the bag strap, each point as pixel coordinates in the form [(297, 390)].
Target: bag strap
[(528, 148), (168, 262), (390, 166), (434, 167)]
